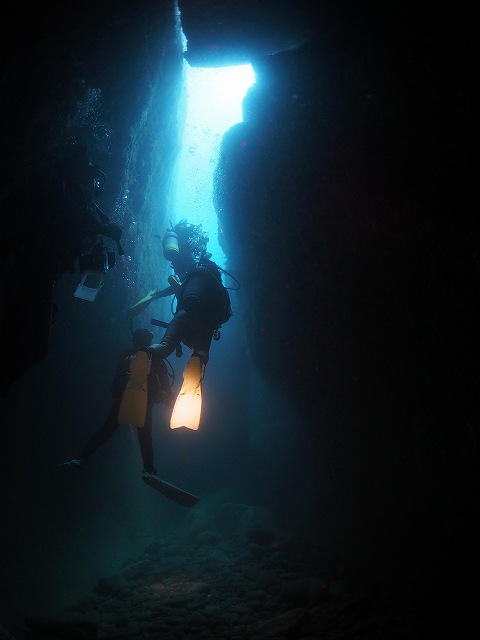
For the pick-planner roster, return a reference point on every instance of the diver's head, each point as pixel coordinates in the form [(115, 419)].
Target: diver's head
[(183, 245), (142, 338)]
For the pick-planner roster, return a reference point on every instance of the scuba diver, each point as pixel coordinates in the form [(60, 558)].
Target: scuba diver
[(158, 391), (53, 221), (203, 303)]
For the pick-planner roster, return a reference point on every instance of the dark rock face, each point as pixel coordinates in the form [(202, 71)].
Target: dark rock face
[(346, 203), (220, 33)]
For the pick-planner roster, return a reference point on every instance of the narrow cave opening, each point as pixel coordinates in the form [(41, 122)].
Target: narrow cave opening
[(210, 104), (213, 104)]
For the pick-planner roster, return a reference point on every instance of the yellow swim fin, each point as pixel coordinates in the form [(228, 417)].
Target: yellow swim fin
[(133, 406), (188, 405)]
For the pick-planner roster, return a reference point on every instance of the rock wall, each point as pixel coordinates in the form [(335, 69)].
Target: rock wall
[(345, 198)]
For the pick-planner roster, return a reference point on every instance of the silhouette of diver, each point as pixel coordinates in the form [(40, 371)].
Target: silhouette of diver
[(47, 224)]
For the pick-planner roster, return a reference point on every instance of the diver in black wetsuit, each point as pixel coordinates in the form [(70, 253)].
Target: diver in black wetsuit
[(203, 302), (158, 391)]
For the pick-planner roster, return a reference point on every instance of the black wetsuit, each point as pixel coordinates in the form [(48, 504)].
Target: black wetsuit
[(158, 391), (203, 306)]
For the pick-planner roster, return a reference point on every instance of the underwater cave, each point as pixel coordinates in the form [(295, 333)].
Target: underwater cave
[(336, 460)]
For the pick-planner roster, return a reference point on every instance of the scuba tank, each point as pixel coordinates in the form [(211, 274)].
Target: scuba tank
[(170, 245)]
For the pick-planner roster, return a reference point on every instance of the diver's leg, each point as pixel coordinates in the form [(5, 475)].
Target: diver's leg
[(146, 444), (202, 342), (172, 336), (104, 433)]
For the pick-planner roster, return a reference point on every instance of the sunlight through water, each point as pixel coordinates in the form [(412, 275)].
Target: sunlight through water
[(214, 104)]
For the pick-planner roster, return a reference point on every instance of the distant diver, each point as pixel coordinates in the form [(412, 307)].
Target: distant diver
[(158, 391), (155, 390), (53, 221), (203, 302)]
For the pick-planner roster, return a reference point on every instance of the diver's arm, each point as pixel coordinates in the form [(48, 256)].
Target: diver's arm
[(163, 293), (113, 231), (174, 289), (109, 229), (142, 304)]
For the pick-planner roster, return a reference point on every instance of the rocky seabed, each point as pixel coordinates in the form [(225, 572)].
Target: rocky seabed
[(252, 581)]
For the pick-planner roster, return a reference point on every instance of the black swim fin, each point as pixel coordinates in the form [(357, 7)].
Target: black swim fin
[(171, 492)]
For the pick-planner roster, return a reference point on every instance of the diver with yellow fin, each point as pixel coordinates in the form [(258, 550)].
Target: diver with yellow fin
[(203, 306), (140, 382)]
